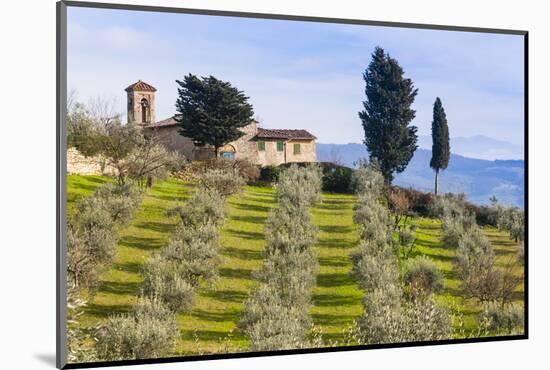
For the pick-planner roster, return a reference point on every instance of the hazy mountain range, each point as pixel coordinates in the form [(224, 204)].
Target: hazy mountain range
[(479, 146), (478, 178)]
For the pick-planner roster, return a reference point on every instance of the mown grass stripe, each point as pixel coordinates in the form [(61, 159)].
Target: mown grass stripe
[(146, 233), (336, 298)]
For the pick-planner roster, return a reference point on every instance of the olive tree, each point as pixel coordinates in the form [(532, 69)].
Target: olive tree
[(149, 331)]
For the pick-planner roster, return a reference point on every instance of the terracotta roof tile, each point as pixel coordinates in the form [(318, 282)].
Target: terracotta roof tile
[(140, 86), (264, 133), (164, 123)]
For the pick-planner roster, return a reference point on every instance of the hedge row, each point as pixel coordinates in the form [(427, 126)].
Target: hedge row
[(389, 316), (172, 276), (276, 313)]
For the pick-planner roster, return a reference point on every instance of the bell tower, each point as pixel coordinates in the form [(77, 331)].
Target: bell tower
[(141, 103)]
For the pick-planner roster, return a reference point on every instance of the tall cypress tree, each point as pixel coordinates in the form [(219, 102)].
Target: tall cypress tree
[(389, 137), (441, 149), (211, 111)]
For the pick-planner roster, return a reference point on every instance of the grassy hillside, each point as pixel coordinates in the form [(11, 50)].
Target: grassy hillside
[(210, 325)]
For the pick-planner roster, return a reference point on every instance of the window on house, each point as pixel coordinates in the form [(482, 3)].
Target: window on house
[(261, 146), (296, 148), (280, 146)]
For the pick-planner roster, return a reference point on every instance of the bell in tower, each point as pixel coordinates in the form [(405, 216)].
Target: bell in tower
[(141, 103)]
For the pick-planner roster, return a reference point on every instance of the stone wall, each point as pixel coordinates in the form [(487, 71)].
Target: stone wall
[(244, 147), (272, 157), (78, 164), (307, 151), (173, 141)]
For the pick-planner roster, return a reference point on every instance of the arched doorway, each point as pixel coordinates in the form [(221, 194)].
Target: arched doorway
[(227, 151)]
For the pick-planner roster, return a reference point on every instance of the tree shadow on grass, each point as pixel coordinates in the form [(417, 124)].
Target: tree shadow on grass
[(252, 207), (245, 234), (326, 319), (249, 219), (169, 198), (336, 229), (116, 287), (334, 261), (131, 267), (79, 185), (236, 273), (227, 295), (433, 255), (104, 311), (242, 254), (214, 316), (334, 280), (143, 243), (428, 243), (254, 196), (160, 227), (335, 243), (330, 300), (332, 206)]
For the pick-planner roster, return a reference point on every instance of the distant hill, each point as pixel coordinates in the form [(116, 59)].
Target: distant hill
[(479, 179), (478, 146)]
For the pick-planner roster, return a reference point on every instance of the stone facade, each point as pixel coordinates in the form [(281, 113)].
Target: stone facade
[(257, 145)]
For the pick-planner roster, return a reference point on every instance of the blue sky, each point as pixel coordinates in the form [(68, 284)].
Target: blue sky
[(300, 74)]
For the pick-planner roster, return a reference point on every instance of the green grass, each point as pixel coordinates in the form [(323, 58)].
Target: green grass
[(211, 325), (217, 309), (337, 298), (428, 244), (81, 186), (147, 232)]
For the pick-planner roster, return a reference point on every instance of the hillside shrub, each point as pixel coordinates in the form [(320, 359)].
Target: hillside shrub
[(120, 200), (225, 182), (162, 281), (420, 202), (510, 219), (387, 317), (400, 205), (271, 324), (270, 173), (336, 179), (195, 251), (367, 179), (422, 277), (92, 234), (150, 331), (390, 321), (503, 320), (406, 238), (276, 314), (474, 252), (203, 208), (248, 171), (448, 205), (288, 228), (300, 185)]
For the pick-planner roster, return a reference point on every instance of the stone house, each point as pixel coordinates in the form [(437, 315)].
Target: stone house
[(258, 145)]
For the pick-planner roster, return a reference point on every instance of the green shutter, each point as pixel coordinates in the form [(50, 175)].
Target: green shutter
[(280, 146), (261, 146), (296, 148)]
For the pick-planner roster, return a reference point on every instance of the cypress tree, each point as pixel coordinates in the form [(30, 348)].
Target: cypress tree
[(441, 149), (389, 137), (211, 111)]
